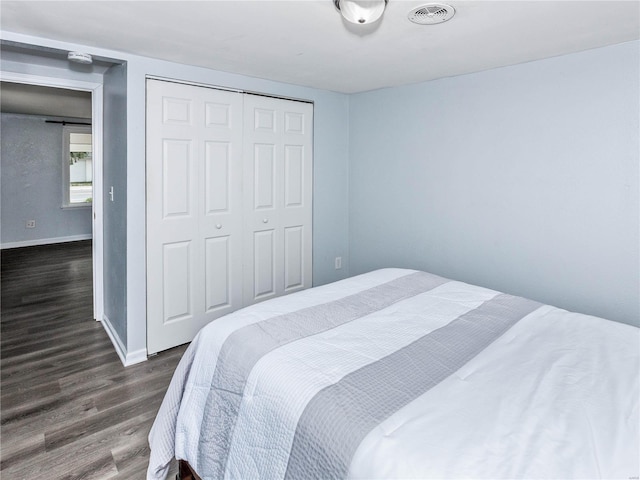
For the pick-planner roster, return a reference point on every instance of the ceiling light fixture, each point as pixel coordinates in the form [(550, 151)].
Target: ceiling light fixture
[(78, 57), (361, 12)]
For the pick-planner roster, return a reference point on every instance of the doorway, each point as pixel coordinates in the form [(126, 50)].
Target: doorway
[(92, 205)]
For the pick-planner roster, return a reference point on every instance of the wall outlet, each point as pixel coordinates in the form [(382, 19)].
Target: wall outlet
[(31, 224), (338, 263)]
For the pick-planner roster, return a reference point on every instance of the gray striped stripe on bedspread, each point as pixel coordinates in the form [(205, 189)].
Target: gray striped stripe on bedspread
[(247, 345), (338, 417)]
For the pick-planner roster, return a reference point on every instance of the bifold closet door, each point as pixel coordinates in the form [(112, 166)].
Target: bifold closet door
[(194, 209), (278, 182)]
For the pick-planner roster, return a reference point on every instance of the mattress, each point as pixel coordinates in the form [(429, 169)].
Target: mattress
[(403, 374)]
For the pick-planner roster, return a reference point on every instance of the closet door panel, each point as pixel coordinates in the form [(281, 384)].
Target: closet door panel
[(194, 209), (264, 267), (293, 176), (278, 180), (221, 215), (217, 268), (217, 177), (264, 176), (177, 282), (296, 211), (177, 178), (293, 258)]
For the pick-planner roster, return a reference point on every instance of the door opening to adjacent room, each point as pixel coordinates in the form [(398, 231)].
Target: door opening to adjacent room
[(52, 159)]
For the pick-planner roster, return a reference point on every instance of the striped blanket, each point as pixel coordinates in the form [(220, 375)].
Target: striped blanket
[(310, 385)]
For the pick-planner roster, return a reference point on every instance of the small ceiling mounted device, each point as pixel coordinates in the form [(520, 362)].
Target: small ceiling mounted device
[(361, 12), (431, 14), (78, 57)]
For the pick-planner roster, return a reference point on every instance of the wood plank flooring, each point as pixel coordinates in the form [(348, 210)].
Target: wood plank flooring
[(69, 409)]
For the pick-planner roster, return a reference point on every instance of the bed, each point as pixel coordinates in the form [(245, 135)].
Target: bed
[(403, 374)]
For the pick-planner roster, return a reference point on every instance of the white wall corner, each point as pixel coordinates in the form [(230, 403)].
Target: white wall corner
[(127, 358)]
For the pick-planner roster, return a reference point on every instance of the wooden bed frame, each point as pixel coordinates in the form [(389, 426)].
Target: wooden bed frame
[(185, 472)]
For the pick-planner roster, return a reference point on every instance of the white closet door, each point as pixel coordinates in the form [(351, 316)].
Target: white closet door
[(278, 183), (194, 209)]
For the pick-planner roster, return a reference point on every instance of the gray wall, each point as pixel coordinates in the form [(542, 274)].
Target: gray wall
[(115, 212), (31, 183), (330, 187), (523, 179)]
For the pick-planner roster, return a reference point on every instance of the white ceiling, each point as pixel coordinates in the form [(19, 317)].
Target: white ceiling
[(306, 42), (36, 100)]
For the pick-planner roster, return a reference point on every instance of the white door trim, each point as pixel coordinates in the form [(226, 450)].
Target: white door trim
[(97, 204)]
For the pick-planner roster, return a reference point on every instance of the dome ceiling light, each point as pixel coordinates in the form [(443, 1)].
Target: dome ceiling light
[(361, 12)]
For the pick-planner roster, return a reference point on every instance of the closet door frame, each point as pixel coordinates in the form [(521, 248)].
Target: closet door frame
[(208, 232)]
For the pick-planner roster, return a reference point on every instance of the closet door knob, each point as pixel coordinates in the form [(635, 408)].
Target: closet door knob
[(218, 226), (265, 220)]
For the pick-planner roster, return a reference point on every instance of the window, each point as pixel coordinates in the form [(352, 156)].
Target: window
[(77, 166)]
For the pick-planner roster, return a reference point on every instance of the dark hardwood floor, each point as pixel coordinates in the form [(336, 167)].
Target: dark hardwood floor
[(69, 409)]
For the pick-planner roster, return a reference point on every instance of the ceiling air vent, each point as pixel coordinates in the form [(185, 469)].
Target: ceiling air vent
[(431, 14)]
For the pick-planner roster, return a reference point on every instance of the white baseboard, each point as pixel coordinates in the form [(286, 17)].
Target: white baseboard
[(138, 356), (127, 358), (45, 241)]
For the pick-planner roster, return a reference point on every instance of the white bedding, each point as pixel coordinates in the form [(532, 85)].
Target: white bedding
[(555, 396)]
